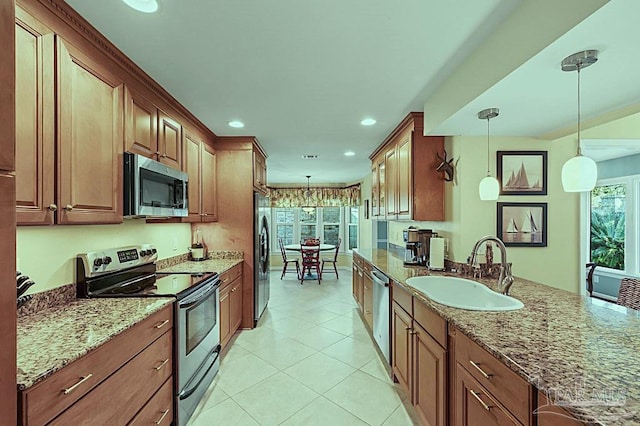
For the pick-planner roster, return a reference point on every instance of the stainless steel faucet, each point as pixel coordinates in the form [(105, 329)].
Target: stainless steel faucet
[(506, 278)]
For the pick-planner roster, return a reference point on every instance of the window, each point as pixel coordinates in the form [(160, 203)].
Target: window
[(284, 220), (614, 224), (326, 223)]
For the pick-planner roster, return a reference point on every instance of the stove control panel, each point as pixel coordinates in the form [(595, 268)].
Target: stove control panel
[(116, 259)]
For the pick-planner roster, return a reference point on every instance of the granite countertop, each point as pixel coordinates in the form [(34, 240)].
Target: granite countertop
[(52, 338), (581, 351), (210, 265)]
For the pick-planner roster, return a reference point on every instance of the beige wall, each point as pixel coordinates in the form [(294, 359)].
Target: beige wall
[(47, 254)]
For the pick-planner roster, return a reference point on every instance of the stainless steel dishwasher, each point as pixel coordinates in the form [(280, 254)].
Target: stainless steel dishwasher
[(381, 312)]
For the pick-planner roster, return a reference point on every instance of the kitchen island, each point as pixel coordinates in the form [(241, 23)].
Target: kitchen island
[(581, 352)]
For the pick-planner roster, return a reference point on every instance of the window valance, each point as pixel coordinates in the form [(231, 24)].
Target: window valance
[(318, 197)]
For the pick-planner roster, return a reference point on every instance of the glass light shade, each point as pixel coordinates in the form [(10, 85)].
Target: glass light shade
[(579, 174), (309, 210), (489, 188), (146, 6)]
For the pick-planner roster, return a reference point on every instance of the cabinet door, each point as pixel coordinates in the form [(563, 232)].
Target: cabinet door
[(405, 183), (360, 289), (209, 185), (375, 192), (549, 414), (391, 163), (367, 299), (475, 406), (354, 282), (141, 120), (225, 310), (401, 347), (35, 126), (90, 140), (169, 141), (191, 165), (382, 188), (430, 378), (259, 171), (235, 297)]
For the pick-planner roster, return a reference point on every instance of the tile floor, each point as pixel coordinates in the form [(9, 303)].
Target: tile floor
[(310, 361)]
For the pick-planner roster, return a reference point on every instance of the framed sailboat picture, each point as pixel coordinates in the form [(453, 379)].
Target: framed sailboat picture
[(522, 224), (522, 172)]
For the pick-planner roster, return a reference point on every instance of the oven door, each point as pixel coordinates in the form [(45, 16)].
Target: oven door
[(198, 330)]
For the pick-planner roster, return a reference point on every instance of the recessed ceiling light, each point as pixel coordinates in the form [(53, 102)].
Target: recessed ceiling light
[(237, 124), (309, 156), (368, 122), (146, 6), (349, 153)]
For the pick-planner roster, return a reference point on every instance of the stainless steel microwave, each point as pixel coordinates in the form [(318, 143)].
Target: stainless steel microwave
[(153, 189)]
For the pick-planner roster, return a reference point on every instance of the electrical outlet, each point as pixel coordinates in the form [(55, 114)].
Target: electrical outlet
[(175, 244)]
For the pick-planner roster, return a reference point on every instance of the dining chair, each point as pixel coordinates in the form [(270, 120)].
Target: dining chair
[(286, 262), (333, 260), (591, 268), (310, 260), (629, 294)]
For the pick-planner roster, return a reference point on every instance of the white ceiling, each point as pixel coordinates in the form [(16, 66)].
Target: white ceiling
[(302, 75)]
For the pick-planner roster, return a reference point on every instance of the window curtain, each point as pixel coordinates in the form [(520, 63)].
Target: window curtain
[(317, 197)]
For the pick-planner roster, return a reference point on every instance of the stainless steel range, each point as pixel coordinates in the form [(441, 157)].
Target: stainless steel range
[(131, 272)]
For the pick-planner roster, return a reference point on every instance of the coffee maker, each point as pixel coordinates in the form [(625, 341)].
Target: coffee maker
[(417, 242)]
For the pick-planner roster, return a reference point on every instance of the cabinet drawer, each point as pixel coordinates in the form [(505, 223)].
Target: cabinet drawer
[(476, 406), (47, 399), (121, 395), (402, 297), (227, 277), (433, 323), (505, 385), (357, 260), (159, 409)]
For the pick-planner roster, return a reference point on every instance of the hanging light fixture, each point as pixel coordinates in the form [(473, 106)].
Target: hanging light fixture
[(580, 173), (489, 188), (308, 209)]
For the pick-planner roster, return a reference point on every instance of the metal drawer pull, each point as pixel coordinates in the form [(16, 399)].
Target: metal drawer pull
[(162, 364), (164, 414), (162, 324), (67, 391), (477, 396), (486, 376), (413, 333)]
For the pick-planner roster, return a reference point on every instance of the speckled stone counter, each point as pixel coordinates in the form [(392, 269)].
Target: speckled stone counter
[(50, 339), (210, 265), (581, 351)]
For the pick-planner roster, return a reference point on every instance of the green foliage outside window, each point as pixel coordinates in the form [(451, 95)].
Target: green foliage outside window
[(608, 226)]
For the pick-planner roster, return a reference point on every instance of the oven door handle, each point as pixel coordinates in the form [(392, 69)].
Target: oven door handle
[(187, 392), (195, 298)]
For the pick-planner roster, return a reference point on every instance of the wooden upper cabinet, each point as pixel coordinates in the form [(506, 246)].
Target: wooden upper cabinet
[(90, 139), (35, 121), (413, 188), (405, 181), (141, 121), (191, 165), (209, 185), (259, 171), (169, 141), (375, 192)]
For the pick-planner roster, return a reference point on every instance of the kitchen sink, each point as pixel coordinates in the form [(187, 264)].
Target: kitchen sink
[(464, 294)]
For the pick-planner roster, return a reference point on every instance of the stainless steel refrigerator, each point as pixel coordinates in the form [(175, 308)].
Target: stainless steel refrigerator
[(262, 213)]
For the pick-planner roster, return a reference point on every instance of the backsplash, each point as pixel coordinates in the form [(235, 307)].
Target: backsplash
[(67, 293)]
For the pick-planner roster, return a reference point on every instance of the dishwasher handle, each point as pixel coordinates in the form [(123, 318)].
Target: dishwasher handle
[(379, 279)]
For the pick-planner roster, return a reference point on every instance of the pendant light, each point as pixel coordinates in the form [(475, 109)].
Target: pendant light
[(308, 209), (489, 188), (580, 173)]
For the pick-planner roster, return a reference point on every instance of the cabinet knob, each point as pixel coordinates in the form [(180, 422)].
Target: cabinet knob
[(68, 207), (158, 153), (52, 207)]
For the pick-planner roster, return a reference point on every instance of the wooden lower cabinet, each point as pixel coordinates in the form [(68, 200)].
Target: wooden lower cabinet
[(230, 303), (429, 378), (476, 406), (419, 365), (159, 409), (367, 298), (111, 384)]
